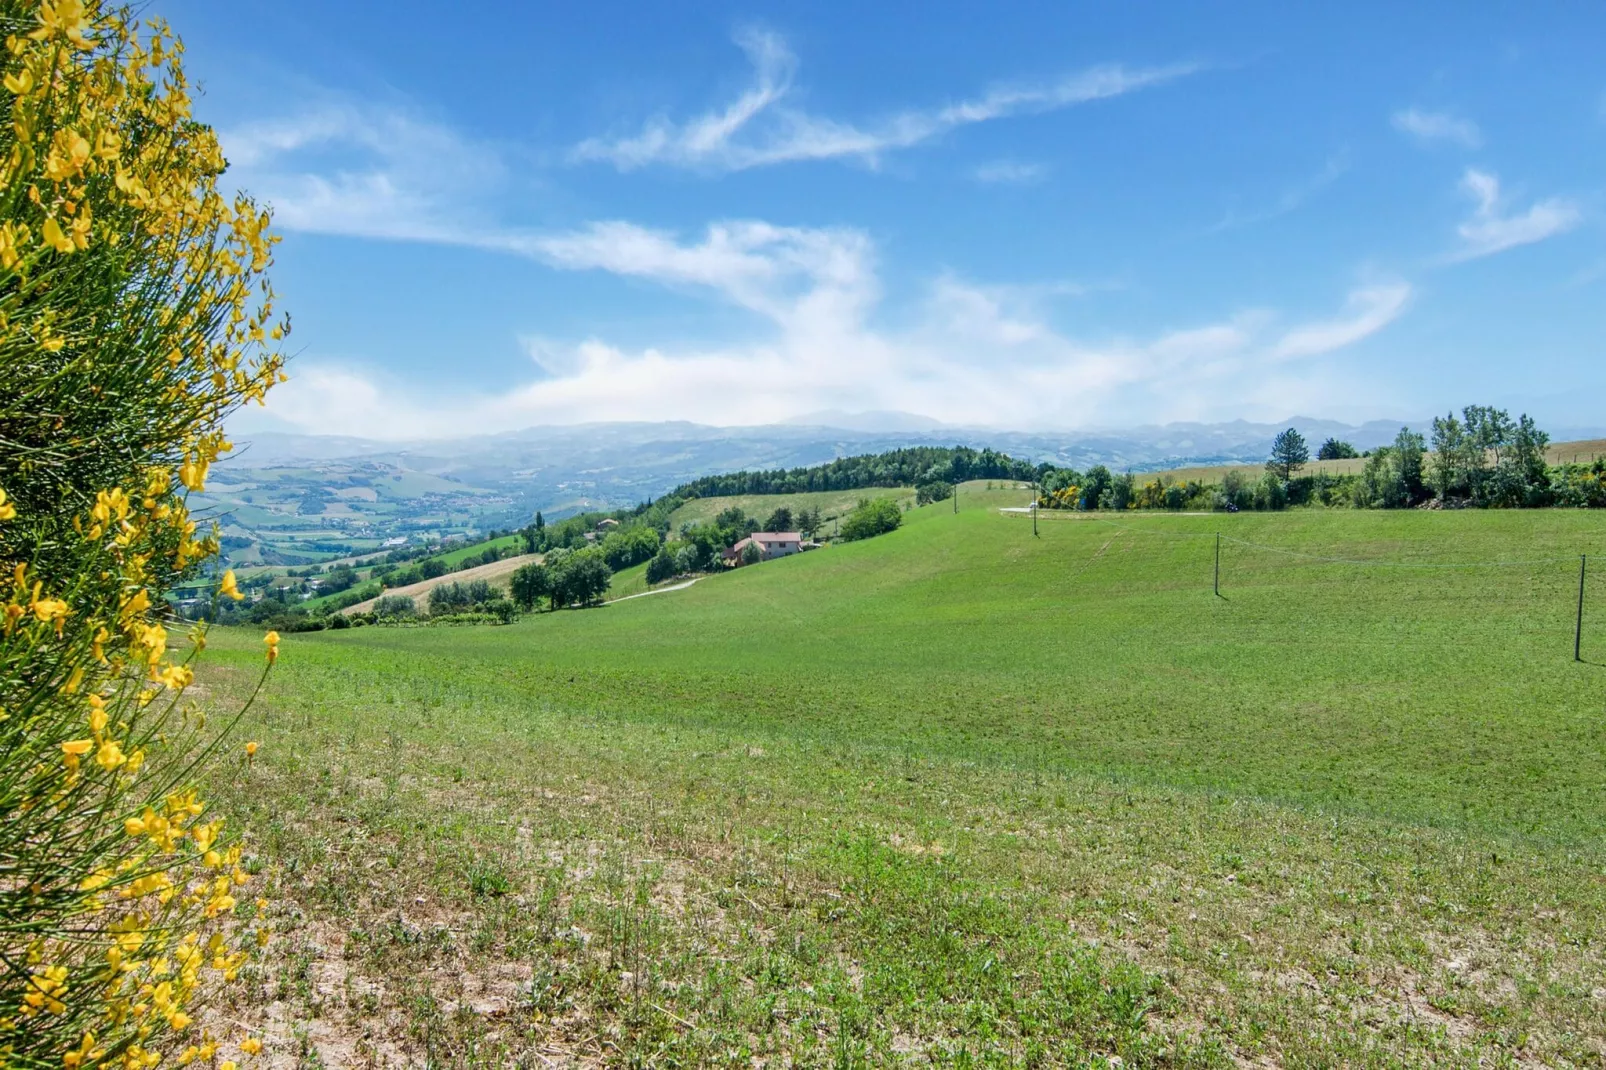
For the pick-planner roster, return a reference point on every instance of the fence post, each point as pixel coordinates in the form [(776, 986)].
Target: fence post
[(1218, 564), (1578, 630)]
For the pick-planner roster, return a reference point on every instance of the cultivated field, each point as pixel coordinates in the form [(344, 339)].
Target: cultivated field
[(497, 572), (963, 795)]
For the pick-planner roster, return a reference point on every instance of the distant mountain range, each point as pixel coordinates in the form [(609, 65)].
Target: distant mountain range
[(625, 462)]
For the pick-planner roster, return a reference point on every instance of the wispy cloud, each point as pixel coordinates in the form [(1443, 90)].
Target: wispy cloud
[(1429, 126), (1291, 200), (1010, 173), (1367, 311), (371, 171), (1491, 229), (967, 353), (760, 128)]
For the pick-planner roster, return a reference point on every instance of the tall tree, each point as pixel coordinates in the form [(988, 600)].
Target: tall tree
[(1408, 452), (530, 584), (1335, 450), (1288, 454), (1448, 472)]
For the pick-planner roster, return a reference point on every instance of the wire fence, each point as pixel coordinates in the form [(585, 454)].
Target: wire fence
[(1577, 564)]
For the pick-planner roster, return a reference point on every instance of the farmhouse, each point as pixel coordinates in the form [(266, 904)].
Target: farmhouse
[(771, 544)]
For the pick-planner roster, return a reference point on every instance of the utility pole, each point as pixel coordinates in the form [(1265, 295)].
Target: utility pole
[(956, 499), (1578, 630), (1218, 564), (1034, 510)]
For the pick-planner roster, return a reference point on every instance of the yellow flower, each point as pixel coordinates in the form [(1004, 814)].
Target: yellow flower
[(84, 1052), (7, 510), (251, 1045), (57, 239), (69, 151), (47, 609), (110, 755), (229, 587), (272, 640), (75, 749), (192, 473), (251, 749), (65, 17)]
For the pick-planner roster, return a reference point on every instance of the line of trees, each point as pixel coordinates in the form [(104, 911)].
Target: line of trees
[(1478, 458), (894, 468)]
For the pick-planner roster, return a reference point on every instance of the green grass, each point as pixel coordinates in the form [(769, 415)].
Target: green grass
[(453, 558), (962, 793), (831, 503), (632, 580)]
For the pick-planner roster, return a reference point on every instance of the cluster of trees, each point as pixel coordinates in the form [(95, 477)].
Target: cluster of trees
[(1097, 488), (875, 516), (935, 491), (1485, 458), (625, 547), (476, 596), (1481, 457), (1335, 450), (895, 468), (565, 578)]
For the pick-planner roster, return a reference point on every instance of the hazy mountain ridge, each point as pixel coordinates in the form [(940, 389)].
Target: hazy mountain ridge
[(282, 492)]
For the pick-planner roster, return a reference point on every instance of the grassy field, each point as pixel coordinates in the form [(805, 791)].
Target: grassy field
[(961, 795), (453, 558), (831, 503)]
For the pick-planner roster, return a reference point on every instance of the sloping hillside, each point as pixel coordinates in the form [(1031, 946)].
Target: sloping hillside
[(496, 572), (873, 803)]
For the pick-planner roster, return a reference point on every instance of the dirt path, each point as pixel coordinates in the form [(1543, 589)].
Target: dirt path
[(494, 571), (658, 590)]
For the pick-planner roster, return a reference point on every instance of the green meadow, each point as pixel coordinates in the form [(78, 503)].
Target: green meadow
[(831, 504), (961, 794)]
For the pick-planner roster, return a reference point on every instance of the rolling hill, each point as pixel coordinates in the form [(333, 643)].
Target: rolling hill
[(958, 785)]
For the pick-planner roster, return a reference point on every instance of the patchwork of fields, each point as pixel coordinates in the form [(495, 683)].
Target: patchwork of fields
[(962, 793)]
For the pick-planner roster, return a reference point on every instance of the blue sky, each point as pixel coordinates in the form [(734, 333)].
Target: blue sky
[(1024, 215)]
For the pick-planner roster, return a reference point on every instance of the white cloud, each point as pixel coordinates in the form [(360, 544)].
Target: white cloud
[(1367, 311), (364, 170), (1438, 126), (759, 128), (970, 354), (1010, 173), (1491, 231)]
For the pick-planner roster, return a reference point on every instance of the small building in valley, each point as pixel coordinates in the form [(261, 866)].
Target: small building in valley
[(771, 544)]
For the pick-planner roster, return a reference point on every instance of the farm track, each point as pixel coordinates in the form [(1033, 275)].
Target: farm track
[(658, 590)]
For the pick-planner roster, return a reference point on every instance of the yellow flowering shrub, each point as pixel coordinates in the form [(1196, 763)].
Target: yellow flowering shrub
[(134, 317)]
